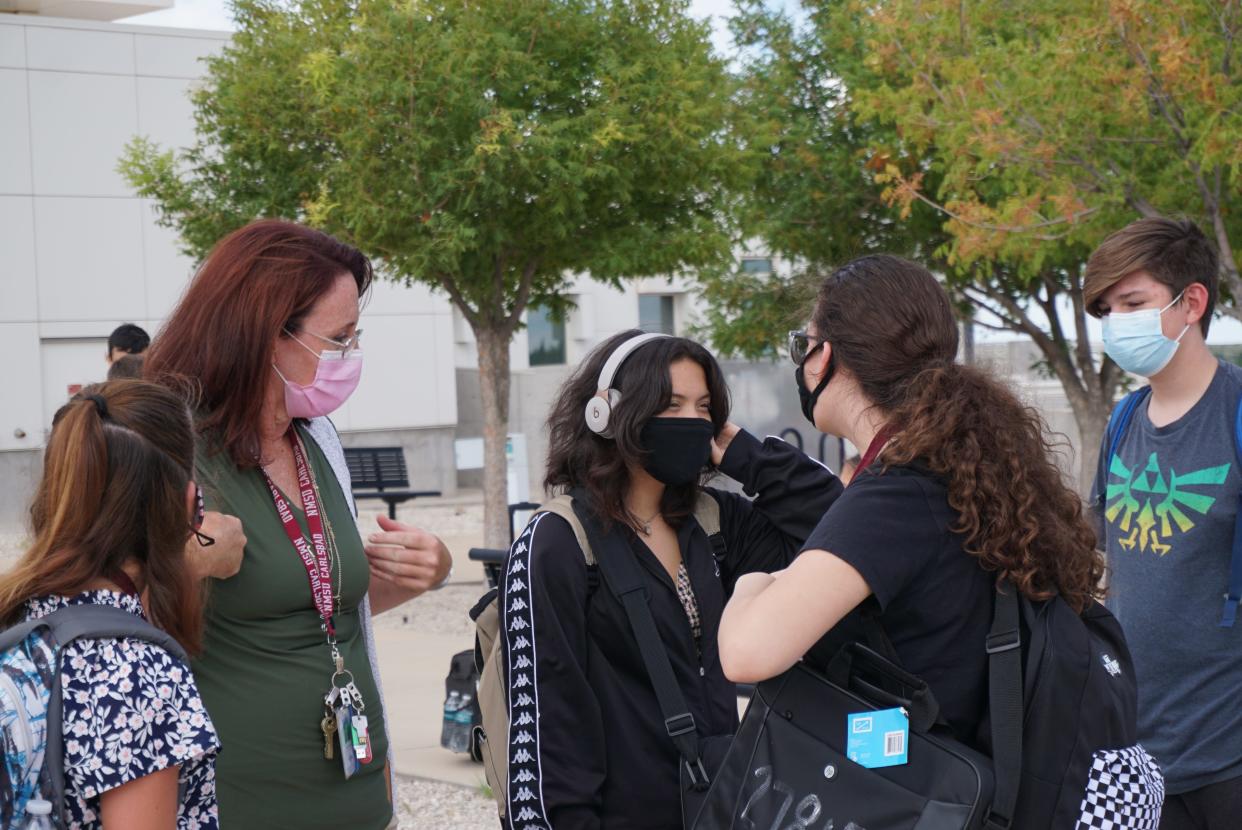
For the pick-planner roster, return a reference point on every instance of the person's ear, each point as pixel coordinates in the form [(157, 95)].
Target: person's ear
[(191, 501), (819, 361), (1196, 299)]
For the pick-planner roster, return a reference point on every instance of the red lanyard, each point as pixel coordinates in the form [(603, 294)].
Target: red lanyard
[(318, 565), (873, 451)]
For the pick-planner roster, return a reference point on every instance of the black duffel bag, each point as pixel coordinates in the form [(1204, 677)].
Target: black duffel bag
[(788, 767)]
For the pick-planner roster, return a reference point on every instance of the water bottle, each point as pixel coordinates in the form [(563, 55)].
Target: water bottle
[(39, 813), (448, 727), (464, 717)]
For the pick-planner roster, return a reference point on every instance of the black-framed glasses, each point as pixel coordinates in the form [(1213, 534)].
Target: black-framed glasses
[(200, 514), (801, 345)]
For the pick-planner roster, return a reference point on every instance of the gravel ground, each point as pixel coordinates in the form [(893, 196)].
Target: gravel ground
[(430, 805), (437, 612), (462, 514), (11, 546)]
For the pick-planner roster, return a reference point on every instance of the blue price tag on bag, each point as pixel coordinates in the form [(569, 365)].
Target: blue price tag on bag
[(878, 739)]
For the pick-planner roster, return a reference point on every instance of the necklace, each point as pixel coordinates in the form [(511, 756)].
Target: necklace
[(644, 525)]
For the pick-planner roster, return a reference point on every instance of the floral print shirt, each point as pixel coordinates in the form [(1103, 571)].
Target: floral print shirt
[(131, 709)]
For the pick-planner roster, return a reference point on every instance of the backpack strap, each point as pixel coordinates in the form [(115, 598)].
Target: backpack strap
[(75, 622), (621, 573), (1233, 593), (707, 514), (1004, 650), (563, 506), (1118, 422)]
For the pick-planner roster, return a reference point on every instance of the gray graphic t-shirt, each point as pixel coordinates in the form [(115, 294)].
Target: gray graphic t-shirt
[(1171, 499)]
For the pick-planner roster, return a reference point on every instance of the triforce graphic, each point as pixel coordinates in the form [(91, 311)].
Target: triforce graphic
[(1146, 504)]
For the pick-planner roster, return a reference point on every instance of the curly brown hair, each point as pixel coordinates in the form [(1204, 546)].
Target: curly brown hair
[(891, 326)]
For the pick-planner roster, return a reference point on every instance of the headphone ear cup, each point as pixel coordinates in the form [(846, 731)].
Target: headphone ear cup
[(597, 414)]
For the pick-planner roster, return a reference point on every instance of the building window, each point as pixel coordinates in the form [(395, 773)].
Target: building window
[(546, 337), (655, 313), (757, 265)]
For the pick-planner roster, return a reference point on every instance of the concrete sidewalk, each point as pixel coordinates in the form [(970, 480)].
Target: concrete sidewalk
[(413, 665)]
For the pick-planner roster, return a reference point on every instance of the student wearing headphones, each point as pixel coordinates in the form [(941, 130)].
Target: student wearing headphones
[(636, 431)]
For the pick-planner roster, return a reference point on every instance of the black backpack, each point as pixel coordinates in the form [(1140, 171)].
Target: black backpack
[(1061, 732), (1074, 752)]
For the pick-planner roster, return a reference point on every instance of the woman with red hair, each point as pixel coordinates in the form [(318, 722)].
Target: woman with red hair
[(267, 335)]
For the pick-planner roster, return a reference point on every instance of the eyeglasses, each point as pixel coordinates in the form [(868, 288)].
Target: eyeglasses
[(800, 346), (346, 347), (200, 514)]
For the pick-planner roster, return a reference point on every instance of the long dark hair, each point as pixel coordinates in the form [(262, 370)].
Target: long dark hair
[(257, 282), (891, 326), (114, 488), (601, 466)]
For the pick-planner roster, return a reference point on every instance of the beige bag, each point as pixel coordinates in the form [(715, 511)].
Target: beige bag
[(492, 737)]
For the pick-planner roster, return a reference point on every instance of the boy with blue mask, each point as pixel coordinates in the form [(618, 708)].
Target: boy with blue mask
[(1170, 497)]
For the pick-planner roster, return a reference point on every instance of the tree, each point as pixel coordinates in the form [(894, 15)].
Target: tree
[(1030, 130), (811, 196), (488, 149), (1058, 121), (1053, 124)]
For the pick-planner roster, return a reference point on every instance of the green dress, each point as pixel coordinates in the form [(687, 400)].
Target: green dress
[(266, 665)]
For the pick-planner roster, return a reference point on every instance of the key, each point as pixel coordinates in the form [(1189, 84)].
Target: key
[(328, 725)]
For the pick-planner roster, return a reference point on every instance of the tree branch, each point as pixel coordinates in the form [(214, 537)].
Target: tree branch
[(523, 294), (472, 315), (1016, 229), (1055, 353), (1086, 363), (498, 275)]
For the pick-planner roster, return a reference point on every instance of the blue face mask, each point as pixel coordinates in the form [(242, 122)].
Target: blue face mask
[(1136, 342)]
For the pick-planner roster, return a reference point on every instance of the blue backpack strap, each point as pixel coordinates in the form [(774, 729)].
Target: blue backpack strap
[(1118, 422), (1233, 593)]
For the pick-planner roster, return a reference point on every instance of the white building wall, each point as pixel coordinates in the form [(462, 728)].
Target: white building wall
[(83, 254), (600, 311)]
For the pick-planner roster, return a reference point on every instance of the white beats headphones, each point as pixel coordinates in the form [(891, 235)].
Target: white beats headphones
[(599, 408)]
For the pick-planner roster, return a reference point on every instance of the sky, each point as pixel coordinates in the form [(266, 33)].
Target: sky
[(214, 14)]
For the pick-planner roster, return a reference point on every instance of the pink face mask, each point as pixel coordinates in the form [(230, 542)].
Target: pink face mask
[(336, 378)]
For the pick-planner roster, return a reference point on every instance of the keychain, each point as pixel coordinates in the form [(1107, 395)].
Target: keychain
[(345, 711)]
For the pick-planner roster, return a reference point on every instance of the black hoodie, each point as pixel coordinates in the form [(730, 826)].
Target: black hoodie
[(588, 746)]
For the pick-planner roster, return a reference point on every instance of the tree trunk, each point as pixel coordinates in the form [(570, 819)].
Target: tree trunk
[(493, 349), (1091, 425)]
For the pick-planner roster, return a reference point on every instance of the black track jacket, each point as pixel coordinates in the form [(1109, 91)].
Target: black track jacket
[(588, 747)]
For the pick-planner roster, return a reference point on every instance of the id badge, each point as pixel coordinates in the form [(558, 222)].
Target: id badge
[(344, 730)]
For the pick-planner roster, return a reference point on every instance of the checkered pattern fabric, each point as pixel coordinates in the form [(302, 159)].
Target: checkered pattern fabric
[(1125, 791)]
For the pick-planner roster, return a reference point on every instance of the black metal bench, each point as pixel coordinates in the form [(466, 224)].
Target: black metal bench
[(380, 473)]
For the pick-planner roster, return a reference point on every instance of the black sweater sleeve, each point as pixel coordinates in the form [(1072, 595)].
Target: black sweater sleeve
[(792, 492), (556, 737)]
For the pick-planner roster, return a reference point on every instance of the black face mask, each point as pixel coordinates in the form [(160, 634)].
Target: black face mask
[(677, 448), (807, 398)]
